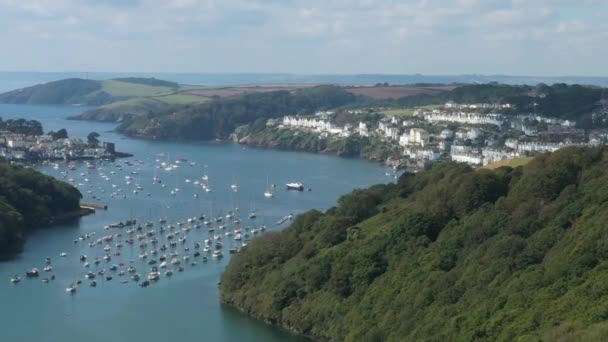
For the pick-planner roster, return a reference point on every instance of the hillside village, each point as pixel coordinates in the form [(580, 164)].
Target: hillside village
[(24, 148), (476, 134)]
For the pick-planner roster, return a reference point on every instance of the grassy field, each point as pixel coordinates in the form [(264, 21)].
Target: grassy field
[(142, 105), (509, 162), (119, 88), (181, 99)]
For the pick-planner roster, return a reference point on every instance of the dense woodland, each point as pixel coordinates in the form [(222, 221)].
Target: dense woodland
[(29, 200), (447, 254)]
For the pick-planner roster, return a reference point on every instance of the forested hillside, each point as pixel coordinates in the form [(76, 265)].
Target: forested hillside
[(217, 119), (28, 200), (449, 254)]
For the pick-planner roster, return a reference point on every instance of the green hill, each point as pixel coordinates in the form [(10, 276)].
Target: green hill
[(219, 118), (29, 200), (126, 109), (449, 254), (76, 91)]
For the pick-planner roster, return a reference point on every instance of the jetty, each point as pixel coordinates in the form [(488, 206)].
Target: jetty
[(94, 206)]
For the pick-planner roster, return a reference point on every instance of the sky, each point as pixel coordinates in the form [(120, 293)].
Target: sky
[(438, 37)]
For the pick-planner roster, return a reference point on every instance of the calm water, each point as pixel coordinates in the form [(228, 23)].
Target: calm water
[(186, 305)]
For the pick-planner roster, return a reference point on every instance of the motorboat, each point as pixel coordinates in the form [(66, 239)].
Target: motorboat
[(34, 272), (153, 276), (295, 186)]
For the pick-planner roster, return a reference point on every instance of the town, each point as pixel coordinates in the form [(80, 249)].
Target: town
[(19, 147), (476, 134)]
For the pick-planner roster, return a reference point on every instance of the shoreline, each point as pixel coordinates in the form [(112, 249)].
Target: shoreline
[(385, 163), (72, 215)]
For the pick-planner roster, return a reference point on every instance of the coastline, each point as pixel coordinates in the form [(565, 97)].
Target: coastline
[(53, 221), (72, 215), (391, 163)]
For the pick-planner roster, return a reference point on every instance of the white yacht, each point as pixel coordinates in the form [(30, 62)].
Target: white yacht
[(295, 186)]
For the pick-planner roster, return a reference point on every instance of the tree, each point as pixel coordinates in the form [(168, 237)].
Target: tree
[(92, 139), (60, 134)]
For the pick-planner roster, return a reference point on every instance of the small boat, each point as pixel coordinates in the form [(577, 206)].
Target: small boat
[(47, 269), (168, 272), (34, 272), (71, 289), (93, 284), (217, 254), (295, 186), (15, 279), (144, 283), (153, 276), (268, 192), (63, 254)]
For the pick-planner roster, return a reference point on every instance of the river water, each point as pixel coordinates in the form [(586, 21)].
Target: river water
[(185, 306)]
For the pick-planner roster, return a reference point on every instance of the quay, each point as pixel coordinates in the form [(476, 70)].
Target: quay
[(94, 206)]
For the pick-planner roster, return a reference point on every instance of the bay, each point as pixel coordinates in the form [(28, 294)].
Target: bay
[(185, 306)]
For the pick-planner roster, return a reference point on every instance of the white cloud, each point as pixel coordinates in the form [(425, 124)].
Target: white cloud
[(354, 36)]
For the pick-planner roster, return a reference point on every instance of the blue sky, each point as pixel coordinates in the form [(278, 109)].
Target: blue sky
[(515, 37)]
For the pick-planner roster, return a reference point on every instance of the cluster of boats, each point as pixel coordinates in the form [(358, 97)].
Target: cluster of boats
[(131, 251), (133, 179), (165, 248)]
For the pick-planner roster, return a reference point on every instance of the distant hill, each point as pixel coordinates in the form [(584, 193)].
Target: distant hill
[(76, 91), (219, 118), (22, 79), (449, 254)]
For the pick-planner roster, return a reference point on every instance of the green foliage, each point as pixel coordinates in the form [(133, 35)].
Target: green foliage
[(93, 139), (68, 91), (28, 200), (446, 254), (21, 126), (89, 92), (60, 134), (148, 81), (217, 119), (353, 146)]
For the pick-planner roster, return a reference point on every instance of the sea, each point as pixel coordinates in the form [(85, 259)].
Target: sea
[(184, 306)]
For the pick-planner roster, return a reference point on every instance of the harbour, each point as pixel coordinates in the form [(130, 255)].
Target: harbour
[(120, 309)]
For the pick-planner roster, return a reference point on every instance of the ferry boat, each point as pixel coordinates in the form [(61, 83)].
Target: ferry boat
[(295, 186)]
